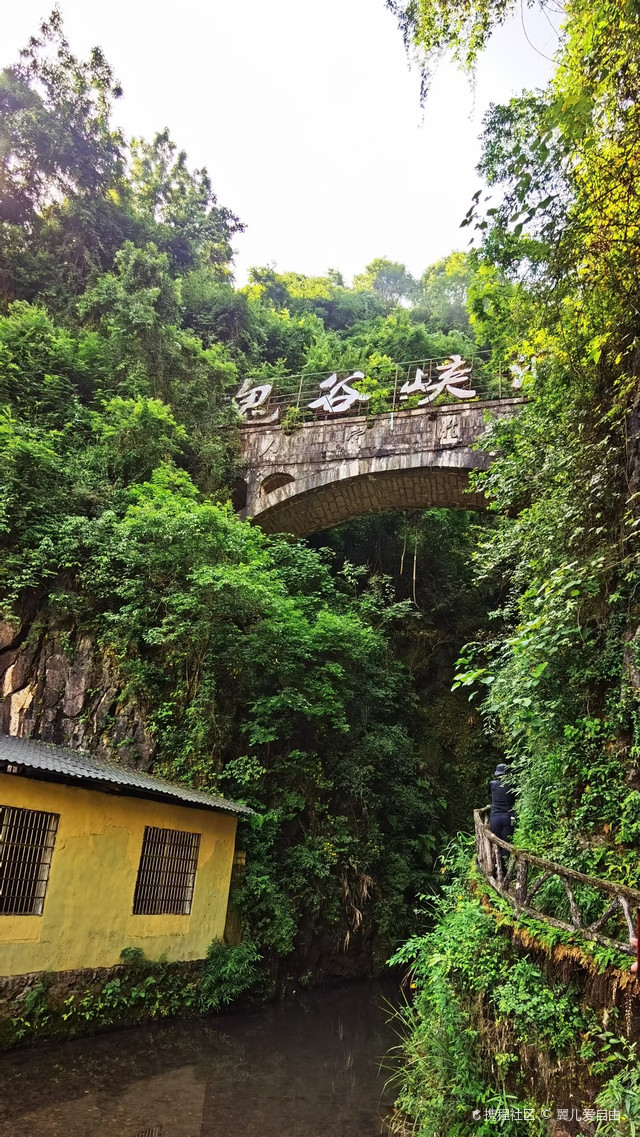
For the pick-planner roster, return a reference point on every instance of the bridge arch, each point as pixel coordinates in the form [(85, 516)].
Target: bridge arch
[(275, 481), (336, 470)]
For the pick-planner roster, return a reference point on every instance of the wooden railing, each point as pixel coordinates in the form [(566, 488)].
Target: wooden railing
[(519, 876)]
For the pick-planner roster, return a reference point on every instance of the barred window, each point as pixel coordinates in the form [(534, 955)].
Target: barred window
[(27, 838), (167, 872)]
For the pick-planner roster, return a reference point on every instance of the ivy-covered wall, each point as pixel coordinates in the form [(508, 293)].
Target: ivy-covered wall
[(71, 1003)]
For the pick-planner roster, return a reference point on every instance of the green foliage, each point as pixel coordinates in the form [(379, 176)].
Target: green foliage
[(387, 278), (555, 285), (538, 1010), (35, 1016), (430, 26), (418, 565), (134, 956), (445, 290), (144, 990), (464, 973), (622, 1093), (229, 972), (554, 291)]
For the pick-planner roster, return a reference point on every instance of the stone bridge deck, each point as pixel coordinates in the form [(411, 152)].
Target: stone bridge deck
[(332, 471)]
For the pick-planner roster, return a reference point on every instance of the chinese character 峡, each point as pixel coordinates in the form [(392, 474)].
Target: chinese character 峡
[(252, 401), (340, 396), (455, 373), (414, 386)]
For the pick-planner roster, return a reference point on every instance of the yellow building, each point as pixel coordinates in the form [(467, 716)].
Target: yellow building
[(95, 857)]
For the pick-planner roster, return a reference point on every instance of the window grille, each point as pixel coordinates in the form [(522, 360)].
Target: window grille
[(27, 838), (167, 872)]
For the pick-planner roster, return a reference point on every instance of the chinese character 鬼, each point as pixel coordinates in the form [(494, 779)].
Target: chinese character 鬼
[(340, 397), (253, 402)]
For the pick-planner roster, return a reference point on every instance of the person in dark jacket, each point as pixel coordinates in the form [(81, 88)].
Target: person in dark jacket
[(503, 801)]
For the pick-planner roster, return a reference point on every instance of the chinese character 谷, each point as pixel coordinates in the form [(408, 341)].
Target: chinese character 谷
[(340, 396), (455, 373)]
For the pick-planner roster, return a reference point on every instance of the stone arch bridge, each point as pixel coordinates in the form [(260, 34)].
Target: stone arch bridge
[(327, 472)]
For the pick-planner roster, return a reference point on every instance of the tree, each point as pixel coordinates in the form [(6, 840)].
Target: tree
[(180, 207), (389, 279), (55, 134), (432, 26), (444, 292), (73, 192)]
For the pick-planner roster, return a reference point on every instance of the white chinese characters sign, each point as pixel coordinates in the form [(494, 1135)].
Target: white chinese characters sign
[(454, 375), (340, 396), (253, 402)]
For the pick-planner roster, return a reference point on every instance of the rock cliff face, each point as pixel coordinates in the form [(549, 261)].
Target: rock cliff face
[(56, 684)]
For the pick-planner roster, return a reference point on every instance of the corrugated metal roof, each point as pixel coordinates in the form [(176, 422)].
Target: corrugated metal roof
[(83, 767)]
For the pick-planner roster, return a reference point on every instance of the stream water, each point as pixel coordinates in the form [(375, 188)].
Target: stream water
[(307, 1068)]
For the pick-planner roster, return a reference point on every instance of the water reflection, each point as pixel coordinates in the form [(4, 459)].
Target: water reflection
[(310, 1068)]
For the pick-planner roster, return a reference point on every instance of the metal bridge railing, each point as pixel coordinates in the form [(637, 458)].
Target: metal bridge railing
[(474, 378)]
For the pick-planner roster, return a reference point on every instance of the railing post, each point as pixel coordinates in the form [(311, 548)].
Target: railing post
[(497, 860), (484, 854), (627, 915), (395, 392), (521, 882), (488, 847)]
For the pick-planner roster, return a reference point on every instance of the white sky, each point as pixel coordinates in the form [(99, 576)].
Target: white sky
[(306, 115)]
